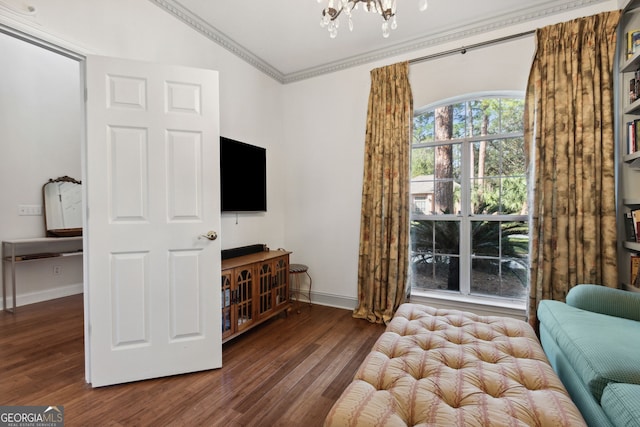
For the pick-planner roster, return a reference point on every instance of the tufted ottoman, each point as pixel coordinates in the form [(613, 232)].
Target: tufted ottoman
[(451, 368)]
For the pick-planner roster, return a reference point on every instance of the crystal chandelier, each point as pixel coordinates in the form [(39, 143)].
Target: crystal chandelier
[(384, 8)]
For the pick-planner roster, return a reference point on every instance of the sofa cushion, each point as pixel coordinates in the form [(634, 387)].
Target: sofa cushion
[(621, 403), (589, 407), (601, 348), (603, 300)]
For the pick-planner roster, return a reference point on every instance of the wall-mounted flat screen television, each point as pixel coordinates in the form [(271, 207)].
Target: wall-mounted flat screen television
[(243, 177)]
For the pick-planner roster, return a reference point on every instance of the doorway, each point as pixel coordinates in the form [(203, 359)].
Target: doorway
[(41, 122), (163, 281)]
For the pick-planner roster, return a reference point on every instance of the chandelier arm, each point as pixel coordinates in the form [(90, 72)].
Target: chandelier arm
[(381, 8), (385, 13), (333, 17)]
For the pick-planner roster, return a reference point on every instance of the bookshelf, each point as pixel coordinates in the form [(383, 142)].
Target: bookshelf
[(627, 107)]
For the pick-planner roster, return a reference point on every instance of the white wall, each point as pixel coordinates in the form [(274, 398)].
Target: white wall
[(325, 129), (250, 105)]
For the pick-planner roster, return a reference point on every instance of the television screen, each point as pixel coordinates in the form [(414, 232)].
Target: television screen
[(243, 177)]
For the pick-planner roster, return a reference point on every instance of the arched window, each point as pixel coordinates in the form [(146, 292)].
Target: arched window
[(469, 218)]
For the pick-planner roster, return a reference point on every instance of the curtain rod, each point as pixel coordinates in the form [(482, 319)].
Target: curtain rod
[(464, 49)]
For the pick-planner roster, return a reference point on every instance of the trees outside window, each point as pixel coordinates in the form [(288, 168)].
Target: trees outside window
[(469, 222)]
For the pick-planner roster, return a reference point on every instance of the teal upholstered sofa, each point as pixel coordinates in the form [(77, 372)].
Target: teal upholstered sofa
[(593, 344)]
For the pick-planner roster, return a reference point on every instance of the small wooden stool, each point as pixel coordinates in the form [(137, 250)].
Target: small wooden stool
[(295, 270)]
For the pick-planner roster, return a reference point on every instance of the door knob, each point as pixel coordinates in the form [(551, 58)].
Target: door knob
[(211, 235)]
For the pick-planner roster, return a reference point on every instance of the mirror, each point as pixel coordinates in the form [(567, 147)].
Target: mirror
[(62, 199)]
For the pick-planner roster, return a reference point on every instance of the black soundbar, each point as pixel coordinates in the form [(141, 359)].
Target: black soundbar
[(242, 250)]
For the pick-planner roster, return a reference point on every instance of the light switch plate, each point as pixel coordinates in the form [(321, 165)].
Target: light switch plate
[(29, 210)]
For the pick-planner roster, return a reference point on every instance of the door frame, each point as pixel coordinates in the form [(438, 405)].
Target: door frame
[(48, 42)]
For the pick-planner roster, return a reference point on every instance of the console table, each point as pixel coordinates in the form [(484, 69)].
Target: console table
[(255, 287), (26, 250)]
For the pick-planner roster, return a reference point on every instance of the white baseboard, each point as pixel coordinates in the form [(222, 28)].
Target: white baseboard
[(46, 295), (330, 300)]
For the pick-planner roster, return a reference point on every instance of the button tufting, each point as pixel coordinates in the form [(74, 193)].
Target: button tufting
[(449, 366)]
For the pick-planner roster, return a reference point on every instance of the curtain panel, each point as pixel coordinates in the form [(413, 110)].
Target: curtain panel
[(569, 132), (384, 227)]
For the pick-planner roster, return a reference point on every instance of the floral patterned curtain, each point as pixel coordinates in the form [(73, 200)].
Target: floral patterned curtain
[(384, 228), (569, 132)]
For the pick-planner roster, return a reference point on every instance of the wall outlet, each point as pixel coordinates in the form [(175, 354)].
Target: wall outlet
[(29, 210), (57, 270)]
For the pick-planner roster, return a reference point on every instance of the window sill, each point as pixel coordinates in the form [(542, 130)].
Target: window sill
[(483, 306)]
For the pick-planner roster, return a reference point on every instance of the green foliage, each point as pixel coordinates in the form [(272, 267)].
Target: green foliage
[(504, 115), (504, 196), (422, 162), (424, 127)]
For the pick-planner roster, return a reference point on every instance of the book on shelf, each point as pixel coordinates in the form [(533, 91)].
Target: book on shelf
[(635, 216), (634, 87), (636, 136), (629, 228), (633, 43), (634, 276), (633, 135)]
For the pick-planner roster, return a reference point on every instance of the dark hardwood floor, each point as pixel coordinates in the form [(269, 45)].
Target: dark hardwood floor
[(286, 372)]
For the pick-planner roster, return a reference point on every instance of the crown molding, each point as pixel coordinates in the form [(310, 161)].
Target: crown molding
[(552, 7)]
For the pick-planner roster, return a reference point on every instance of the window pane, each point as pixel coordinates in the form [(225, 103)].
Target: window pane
[(499, 183), (459, 128), (512, 115), (422, 161), (485, 238), (513, 158), (485, 196), (500, 258), (446, 196), (487, 158), (495, 238), (435, 237), (435, 272), (492, 277), (423, 127), (477, 119), (514, 196), (422, 180), (434, 255), (447, 237), (435, 179)]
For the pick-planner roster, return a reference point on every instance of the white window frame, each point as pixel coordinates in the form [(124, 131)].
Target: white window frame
[(464, 300)]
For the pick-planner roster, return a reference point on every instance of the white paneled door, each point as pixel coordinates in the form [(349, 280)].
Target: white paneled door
[(152, 196)]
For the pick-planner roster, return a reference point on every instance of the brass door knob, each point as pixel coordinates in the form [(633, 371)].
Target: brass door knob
[(211, 235)]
